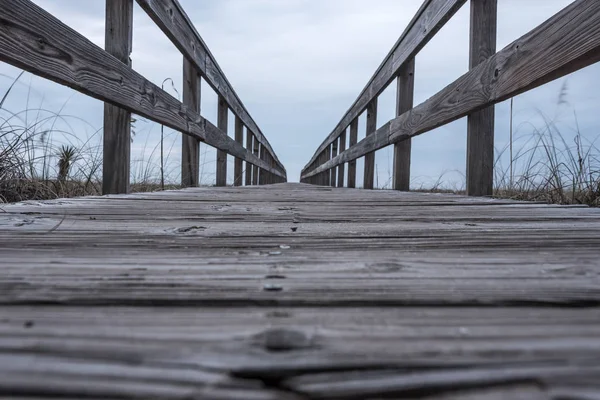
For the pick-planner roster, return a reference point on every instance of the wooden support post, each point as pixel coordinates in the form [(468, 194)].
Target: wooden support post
[(272, 177), (352, 164), (342, 167), (222, 119), (480, 125), (370, 157), (262, 174), (327, 174), (239, 163), (320, 161), (256, 151), (334, 152), (404, 103), (117, 122), (249, 138), (267, 159), (190, 146)]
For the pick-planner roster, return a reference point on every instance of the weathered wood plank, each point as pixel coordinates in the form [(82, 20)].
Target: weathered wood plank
[(404, 103), (480, 124), (430, 18), (117, 121), (171, 18), (190, 146), (570, 41), (239, 163), (352, 163), (222, 122), (298, 290), (369, 174), (66, 57)]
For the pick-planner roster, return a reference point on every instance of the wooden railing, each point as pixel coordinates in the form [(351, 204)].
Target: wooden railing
[(567, 42), (36, 41)]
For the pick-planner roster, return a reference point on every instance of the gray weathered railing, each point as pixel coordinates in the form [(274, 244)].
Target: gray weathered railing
[(568, 41), (36, 41)]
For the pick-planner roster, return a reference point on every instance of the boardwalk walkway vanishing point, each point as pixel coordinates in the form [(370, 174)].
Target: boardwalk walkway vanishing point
[(299, 291), (311, 290)]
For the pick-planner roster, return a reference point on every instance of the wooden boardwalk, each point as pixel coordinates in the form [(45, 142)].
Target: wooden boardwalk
[(298, 291)]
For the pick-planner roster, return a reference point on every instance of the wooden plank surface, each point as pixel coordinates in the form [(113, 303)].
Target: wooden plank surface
[(301, 292), (570, 41)]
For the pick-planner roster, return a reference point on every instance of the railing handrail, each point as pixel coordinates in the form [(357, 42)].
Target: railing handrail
[(565, 43), (429, 19), (157, 10), (34, 40)]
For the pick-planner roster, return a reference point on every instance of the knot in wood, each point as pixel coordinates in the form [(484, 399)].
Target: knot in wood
[(283, 339)]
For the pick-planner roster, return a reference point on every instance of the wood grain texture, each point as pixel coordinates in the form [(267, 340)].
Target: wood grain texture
[(66, 57), (352, 163), (567, 42), (222, 122), (171, 18), (430, 18), (190, 146), (369, 174), (480, 124), (117, 121), (238, 169), (301, 292), (404, 103)]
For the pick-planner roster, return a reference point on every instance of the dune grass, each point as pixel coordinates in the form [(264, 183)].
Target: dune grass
[(43, 155)]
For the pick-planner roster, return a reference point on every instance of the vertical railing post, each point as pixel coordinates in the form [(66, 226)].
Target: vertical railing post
[(404, 103), (117, 122), (480, 124), (321, 181), (222, 119), (272, 177), (327, 174), (249, 135), (370, 157), (262, 175), (256, 151), (352, 164), (190, 146), (239, 163), (334, 152), (342, 167)]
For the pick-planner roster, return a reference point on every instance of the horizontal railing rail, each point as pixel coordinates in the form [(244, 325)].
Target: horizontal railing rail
[(36, 41), (567, 42), (170, 17)]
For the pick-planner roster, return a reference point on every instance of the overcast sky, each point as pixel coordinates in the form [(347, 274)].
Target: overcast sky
[(299, 64)]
